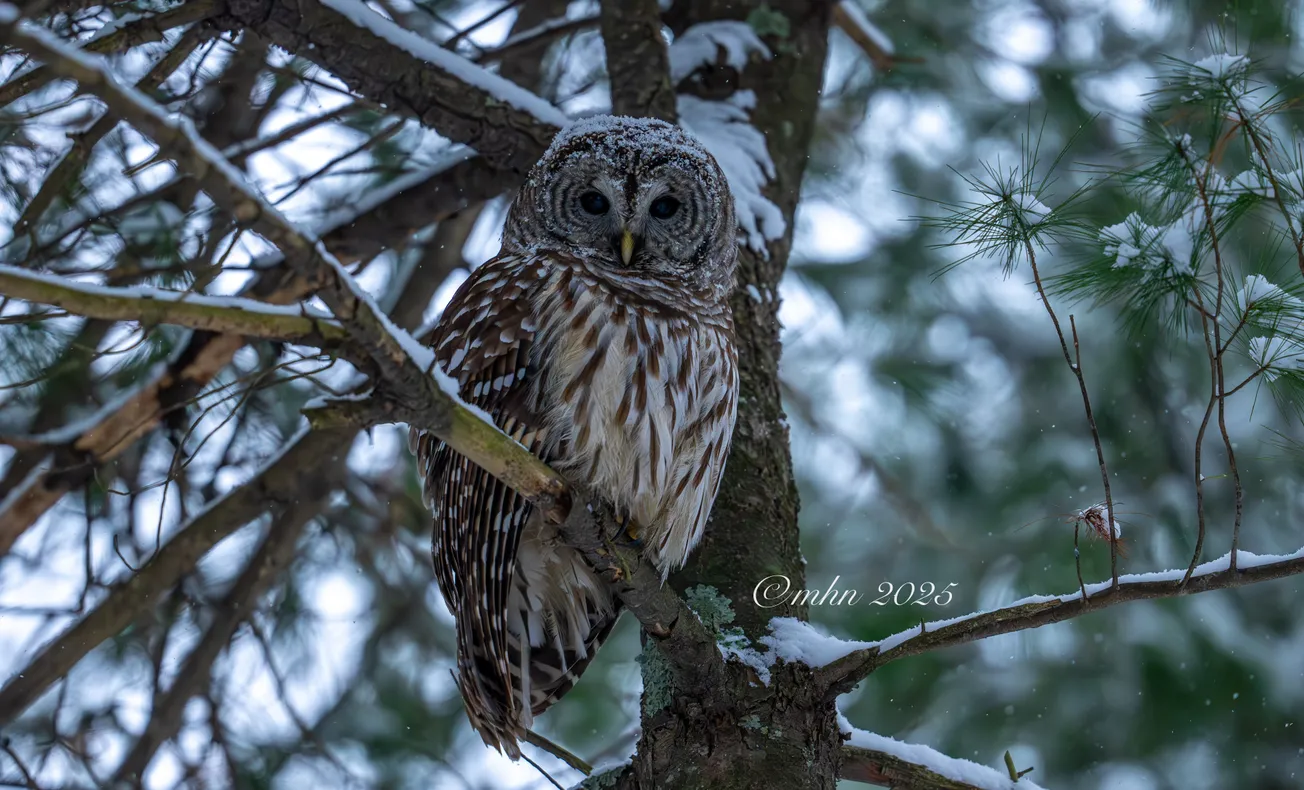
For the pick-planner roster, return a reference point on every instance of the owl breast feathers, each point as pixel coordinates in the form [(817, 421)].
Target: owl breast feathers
[(601, 339)]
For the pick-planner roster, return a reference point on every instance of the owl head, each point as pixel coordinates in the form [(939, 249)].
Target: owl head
[(631, 197)]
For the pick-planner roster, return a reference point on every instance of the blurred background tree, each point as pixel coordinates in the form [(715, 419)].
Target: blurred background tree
[(937, 435)]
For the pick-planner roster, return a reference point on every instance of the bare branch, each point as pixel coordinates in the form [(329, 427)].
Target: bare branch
[(71, 163), (126, 419), (844, 673), (157, 306), (118, 39), (441, 194), (274, 553), (297, 472), (537, 37), (638, 61)]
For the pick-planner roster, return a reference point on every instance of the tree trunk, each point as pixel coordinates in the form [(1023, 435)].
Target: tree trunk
[(746, 733)]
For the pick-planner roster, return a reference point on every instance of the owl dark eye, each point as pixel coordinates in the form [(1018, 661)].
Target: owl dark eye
[(595, 203), (663, 207)]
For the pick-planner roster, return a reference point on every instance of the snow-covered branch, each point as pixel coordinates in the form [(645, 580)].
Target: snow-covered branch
[(158, 306), (877, 759), (851, 19), (844, 664), (508, 125)]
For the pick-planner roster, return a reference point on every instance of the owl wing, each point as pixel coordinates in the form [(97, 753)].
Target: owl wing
[(484, 342)]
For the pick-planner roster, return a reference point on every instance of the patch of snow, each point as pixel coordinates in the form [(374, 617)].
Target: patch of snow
[(1277, 355), (459, 67), (700, 45), (1219, 66), (1256, 181), (642, 132), (1028, 208), (1260, 293), (758, 661), (797, 641), (956, 769), (1031, 206), (724, 128), (1134, 242)]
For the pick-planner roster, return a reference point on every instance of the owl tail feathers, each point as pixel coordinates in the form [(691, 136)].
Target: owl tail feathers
[(502, 712), (493, 712)]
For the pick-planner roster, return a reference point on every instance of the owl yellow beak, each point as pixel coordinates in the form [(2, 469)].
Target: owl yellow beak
[(626, 246)]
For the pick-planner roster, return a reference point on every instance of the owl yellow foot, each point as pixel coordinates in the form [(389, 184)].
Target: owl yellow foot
[(630, 531)]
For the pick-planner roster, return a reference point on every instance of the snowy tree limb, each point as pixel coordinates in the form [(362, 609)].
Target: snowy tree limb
[(638, 61), (851, 20), (73, 454), (506, 124), (843, 673), (157, 306), (923, 769), (71, 164)]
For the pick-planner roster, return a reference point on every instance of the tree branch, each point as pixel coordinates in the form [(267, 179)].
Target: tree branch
[(844, 673), (638, 61), (506, 124), (893, 767), (157, 306), (416, 203), (273, 554), (662, 613), (851, 20), (115, 39), (297, 472)]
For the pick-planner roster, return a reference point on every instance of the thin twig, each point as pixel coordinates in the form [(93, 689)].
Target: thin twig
[(1076, 367)]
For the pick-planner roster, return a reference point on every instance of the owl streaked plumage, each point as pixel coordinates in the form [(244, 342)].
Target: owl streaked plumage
[(601, 338)]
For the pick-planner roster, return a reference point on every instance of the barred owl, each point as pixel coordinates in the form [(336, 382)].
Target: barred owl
[(600, 337)]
